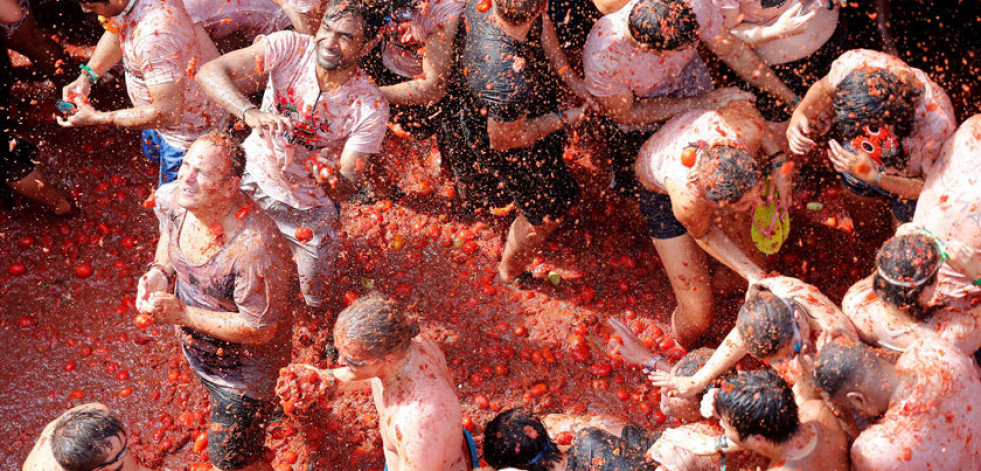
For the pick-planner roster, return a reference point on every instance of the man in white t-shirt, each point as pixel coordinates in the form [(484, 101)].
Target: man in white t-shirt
[(161, 51), (642, 66), (321, 120)]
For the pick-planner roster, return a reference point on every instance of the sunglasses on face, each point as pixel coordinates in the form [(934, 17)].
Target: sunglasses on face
[(119, 456)]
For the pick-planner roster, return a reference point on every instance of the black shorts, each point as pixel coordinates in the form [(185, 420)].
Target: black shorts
[(799, 75), (535, 178), (238, 427), (659, 216), (16, 163), (622, 148)]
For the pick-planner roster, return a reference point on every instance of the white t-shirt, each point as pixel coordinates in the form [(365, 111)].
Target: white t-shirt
[(613, 64), (159, 46), (247, 17), (353, 117), (934, 119), (406, 34)]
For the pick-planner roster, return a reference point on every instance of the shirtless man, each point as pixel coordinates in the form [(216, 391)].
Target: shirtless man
[(759, 412), (642, 66), (85, 438), (924, 406), (705, 208), (230, 304), (900, 302), (321, 120), (949, 207), (893, 118), (780, 324), (415, 395), (161, 50)]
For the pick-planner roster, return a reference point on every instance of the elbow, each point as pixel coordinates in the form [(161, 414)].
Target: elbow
[(261, 335)]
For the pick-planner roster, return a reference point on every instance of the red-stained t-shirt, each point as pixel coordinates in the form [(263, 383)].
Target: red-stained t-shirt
[(950, 205), (250, 275), (933, 120), (352, 117), (933, 425), (407, 30), (159, 47)]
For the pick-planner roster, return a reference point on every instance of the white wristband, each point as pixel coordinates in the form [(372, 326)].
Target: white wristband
[(245, 109)]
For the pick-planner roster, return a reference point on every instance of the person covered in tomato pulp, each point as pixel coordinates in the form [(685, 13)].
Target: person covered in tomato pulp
[(321, 121), (381, 349), (88, 437), (161, 51), (893, 120), (229, 305), (921, 405)]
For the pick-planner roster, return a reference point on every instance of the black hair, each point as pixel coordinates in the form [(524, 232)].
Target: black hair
[(726, 173), (518, 12), (693, 361), (759, 403), (515, 438), (765, 323), (663, 25), (910, 259), (876, 97), (377, 325), (371, 12), (843, 364), (81, 439)]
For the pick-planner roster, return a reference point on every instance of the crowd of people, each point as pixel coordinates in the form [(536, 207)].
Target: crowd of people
[(873, 384)]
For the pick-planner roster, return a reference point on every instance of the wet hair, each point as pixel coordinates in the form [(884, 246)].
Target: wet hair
[(377, 325), (759, 403), (843, 364), (876, 97), (81, 440), (905, 265), (693, 361), (663, 25), (765, 323), (371, 12), (517, 437), (518, 12), (231, 146), (726, 173)]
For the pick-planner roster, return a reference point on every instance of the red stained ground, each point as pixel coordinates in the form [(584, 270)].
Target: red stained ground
[(68, 339)]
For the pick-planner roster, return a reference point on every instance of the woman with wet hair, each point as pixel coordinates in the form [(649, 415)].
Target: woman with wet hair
[(892, 119), (900, 302)]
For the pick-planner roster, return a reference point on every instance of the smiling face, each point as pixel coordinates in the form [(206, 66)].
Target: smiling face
[(204, 177), (340, 41)]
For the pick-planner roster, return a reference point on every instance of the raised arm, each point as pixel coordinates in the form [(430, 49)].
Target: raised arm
[(728, 354), (741, 58), (437, 62), (806, 121), (626, 109)]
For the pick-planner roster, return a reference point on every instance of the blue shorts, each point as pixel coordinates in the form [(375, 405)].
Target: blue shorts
[(659, 217), (471, 448), (902, 208), (168, 156)]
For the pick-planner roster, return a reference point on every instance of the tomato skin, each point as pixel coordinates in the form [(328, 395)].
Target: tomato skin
[(201, 442), (303, 234), (564, 438), (16, 269), (83, 270), (349, 298), (688, 156), (483, 6), (143, 320), (600, 369), (481, 401)]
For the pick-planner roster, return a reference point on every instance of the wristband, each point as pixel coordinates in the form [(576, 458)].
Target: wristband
[(651, 363), (245, 109), (162, 269), (89, 73), (976, 282), (721, 444)]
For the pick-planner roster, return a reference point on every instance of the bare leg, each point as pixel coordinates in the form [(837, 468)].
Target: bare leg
[(688, 270), (44, 52), (35, 188), (524, 240)]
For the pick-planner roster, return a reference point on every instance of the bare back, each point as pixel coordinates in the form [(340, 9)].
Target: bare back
[(827, 450)]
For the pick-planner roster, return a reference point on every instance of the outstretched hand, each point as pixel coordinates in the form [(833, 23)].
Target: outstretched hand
[(633, 350)]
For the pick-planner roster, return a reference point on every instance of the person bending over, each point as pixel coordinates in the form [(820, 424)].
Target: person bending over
[(704, 204), (948, 208), (900, 302), (758, 412), (643, 68), (161, 51), (893, 120), (321, 120), (780, 323), (230, 302), (922, 406), (415, 395), (512, 119), (86, 438), (518, 439)]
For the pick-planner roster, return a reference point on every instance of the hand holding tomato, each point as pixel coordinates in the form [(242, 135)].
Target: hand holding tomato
[(152, 281), (300, 387), (165, 308)]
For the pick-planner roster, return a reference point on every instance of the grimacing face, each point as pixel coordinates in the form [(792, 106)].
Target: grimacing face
[(204, 177), (339, 41)]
